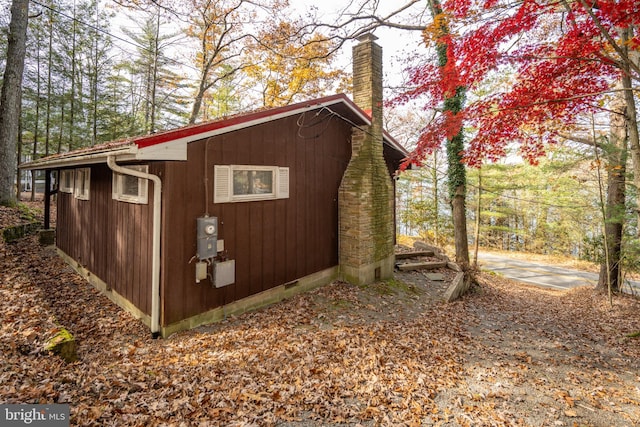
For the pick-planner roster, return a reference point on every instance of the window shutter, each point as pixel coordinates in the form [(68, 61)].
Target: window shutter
[(283, 183), (115, 183), (67, 181), (143, 188), (222, 184)]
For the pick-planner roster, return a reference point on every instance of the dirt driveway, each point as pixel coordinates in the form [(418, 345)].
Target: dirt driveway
[(384, 354)]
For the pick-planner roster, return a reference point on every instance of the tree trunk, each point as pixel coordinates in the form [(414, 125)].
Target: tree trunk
[(615, 205), (457, 190), (460, 227), (630, 117), (456, 172), (72, 107), (47, 130), (197, 103), (11, 98), (613, 227), (476, 240), (19, 156), (94, 78), (436, 200), (154, 82), (36, 135), (61, 130)]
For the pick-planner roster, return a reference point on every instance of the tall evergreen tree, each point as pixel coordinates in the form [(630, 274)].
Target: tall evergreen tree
[(155, 88)]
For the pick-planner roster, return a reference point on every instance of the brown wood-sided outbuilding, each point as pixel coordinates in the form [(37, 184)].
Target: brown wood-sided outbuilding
[(269, 178)]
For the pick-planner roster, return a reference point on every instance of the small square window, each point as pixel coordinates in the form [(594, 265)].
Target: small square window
[(82, 183), (131, 189), (66, 181), (239, 183)]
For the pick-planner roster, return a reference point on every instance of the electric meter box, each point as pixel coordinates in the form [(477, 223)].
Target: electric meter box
[(207, 233)]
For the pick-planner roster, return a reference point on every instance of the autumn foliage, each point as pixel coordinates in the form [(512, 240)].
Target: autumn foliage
[(388, 354), (544, 62), (288, 64)]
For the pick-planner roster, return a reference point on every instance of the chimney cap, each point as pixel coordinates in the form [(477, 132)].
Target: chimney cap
[(367, 37)]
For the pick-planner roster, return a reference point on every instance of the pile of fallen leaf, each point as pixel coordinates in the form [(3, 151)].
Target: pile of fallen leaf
[(26, 212), (9, 217), (544, 357), (384, 354)]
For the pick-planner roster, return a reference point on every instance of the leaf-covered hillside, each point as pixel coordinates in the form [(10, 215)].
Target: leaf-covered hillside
[(387, 354)]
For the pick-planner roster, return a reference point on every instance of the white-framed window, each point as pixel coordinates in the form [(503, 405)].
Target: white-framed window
[(66, 181), (244, 183), (131, 189), (82, 183)]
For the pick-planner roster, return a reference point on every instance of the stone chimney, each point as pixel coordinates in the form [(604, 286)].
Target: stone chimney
[(366, 193)]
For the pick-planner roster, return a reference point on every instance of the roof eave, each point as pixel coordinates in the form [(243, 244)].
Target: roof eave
[(172, 145), (208, 130), (79, 159), (391, 142)]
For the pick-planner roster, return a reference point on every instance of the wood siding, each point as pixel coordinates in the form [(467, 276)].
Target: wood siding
[(272, 242), (111, 239)]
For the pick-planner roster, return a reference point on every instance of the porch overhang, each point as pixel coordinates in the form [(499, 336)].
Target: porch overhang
[(125, 152)]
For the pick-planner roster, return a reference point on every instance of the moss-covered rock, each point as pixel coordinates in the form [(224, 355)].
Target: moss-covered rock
[(64, 345)]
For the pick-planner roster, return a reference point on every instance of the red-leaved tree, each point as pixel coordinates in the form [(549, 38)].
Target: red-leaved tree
[(557, 60), (564, 57)]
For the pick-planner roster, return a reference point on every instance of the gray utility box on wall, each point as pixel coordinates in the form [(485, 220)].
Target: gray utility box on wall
[(225, 273), (207, 233)]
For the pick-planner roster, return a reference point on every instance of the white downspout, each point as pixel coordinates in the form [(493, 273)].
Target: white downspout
[(155, 262)]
